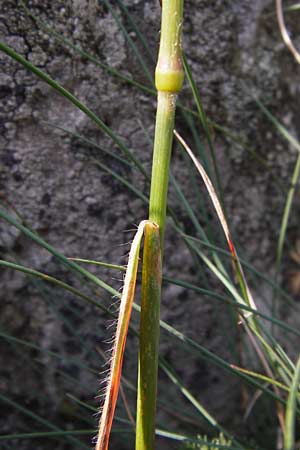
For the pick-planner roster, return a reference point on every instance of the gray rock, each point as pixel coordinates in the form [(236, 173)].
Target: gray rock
[(51, 179)]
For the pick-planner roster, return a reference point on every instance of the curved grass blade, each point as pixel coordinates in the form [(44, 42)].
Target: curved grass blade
[(31, 345), (204, 353), (204, 122), (291, 411), (65, 93), (72, 265), (113, 383), (286, 213), (140, 35), (284, 132), (122, 180), (42, 421), (130, 42), (175, 379), (291, 192), (269, 380), (84, 54), (239, 271), (47, 434), (245, 264), (50, 279), (199, 290), (99, 263), (89, 142)]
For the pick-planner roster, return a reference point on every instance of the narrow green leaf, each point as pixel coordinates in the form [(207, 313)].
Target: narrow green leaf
[(281, 129), (204, 413), (50, 279), (72, 265), (130, 41), (59, 37), (65, 93), (261, 377), (291, 411), (38, 419), (204, 122)]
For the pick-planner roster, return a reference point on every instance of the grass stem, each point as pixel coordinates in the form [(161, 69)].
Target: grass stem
[(168, 81)]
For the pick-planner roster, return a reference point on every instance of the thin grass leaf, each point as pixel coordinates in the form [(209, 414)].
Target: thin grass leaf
[(204, 122), (88, 407), (209, 293), (182, 338), (292, 8), (31, 345), (245, 264), (198, 228), (65, 93), (121, 179), (187, 394), (286, 215), (113, 383), (276, 358), (115, 73), (82, 403), (99, 263), (89, 142), (47, 434), (290, 196), (140, 35), (241, 143), (291, 411), (205, 354), (191, 214), (54, 301), (199, 144), (239, 271), (42, 421), (130, 42), (280, 128), (222, 298), (72, 265), (269, 380), (50, 279)]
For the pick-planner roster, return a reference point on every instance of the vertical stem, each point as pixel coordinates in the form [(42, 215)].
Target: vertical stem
[(149, 337), (168, 81), (161, 159)]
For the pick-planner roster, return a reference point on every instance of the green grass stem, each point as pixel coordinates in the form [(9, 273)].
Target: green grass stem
[(291, 411), (149, 337), (161, 159), (168, 81)]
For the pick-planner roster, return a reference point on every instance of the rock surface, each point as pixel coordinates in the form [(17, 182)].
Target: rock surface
[(58, 185)]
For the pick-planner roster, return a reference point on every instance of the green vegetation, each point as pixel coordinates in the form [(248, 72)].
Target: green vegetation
[(273, 382)]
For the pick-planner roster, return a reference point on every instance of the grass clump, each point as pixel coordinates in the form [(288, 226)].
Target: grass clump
[(276, 377)]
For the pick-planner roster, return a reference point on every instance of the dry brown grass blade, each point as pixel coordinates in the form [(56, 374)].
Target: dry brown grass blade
[(284, 33), (223, 221), (114, 377)]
